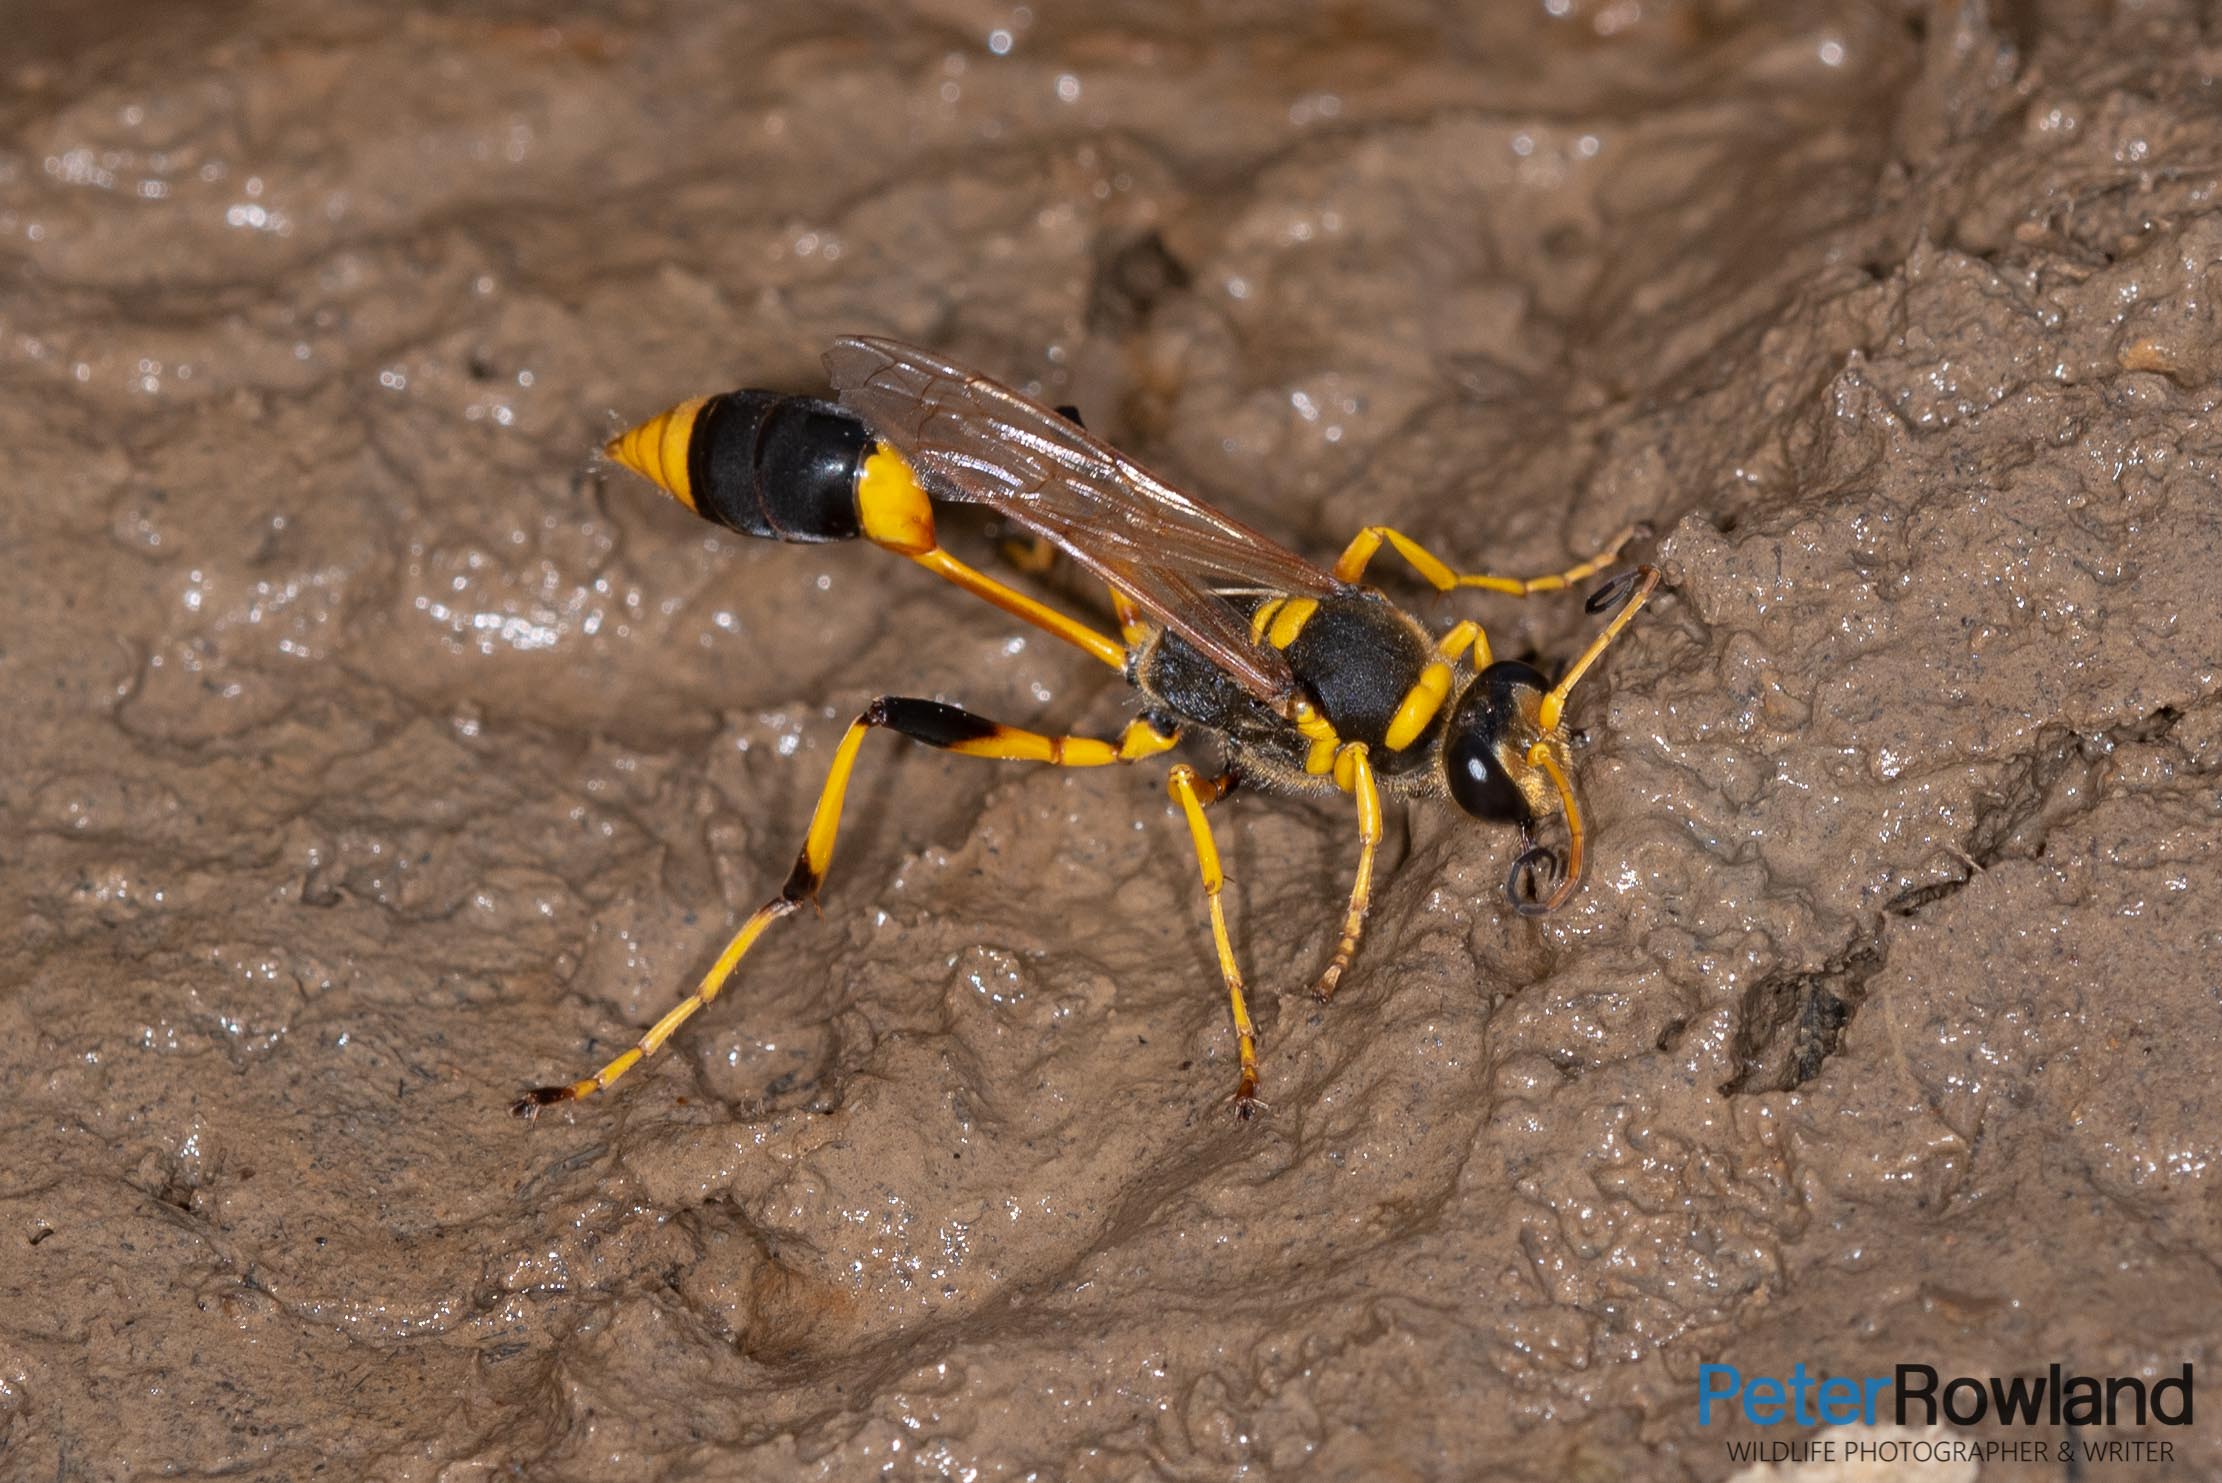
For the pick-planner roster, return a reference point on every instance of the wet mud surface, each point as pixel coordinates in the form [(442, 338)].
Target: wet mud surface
[(372, 754)]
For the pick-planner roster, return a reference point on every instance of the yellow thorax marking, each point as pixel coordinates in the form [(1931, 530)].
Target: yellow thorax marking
[(1280, 620), (1263, 617), (1294, 613), (1419, 706), (890, 505), (1320, 733)]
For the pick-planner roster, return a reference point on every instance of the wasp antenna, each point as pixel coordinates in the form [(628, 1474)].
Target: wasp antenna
[(1568, 878), (1536, 867), (1646, 580), (1611, 594)]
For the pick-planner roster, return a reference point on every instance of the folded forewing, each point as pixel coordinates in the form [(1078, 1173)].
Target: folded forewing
[(971, 439)]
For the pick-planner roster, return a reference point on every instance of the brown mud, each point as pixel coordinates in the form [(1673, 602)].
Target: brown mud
[(371, 754)]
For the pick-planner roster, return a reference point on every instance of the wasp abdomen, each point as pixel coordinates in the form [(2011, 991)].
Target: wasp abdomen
[(778, 465), (760, 462), (782, 467)]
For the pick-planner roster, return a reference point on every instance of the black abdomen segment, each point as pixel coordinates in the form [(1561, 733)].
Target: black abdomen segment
[(780, 467)]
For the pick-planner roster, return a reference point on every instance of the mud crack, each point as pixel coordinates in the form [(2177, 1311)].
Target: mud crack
[(1790, 1023)]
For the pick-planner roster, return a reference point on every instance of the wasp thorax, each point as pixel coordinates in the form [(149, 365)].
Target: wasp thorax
[(1486, 743)]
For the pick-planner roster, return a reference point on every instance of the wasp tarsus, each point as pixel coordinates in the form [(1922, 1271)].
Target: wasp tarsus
[(528, 1106)]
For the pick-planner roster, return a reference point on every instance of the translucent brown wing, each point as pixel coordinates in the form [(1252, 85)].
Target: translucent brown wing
[(971, 439)]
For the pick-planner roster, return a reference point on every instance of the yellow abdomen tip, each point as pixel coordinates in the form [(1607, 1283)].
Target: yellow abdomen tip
[(657, 449)]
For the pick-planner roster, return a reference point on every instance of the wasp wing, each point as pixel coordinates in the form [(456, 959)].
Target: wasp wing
[(969, 438)]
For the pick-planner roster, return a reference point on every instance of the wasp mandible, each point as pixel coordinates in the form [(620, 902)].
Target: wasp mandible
[(1312, 681)]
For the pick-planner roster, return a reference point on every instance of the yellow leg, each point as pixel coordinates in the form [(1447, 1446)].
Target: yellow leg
[(1133, 627), (895, 513), (1361, 550), (1019, 605), (1032, 555), (1183, 787), (1570, 878), (1353, 761), (1460, 638), (927, 721)]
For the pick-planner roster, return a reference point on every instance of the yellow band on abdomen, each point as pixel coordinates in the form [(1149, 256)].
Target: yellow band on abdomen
[(657, 449)]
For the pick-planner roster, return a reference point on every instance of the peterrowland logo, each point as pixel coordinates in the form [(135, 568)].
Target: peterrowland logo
[(1917, 1396)]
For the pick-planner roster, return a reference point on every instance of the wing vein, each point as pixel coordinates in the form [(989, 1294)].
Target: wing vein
[(971, 439)]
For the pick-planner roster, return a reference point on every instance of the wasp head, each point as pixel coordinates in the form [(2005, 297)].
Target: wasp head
[(1502, 763)]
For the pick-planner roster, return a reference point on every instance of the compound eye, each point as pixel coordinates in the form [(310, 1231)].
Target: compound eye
[(1478, 782)]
